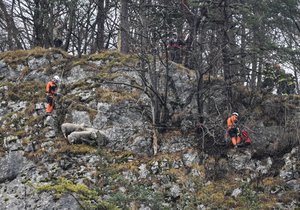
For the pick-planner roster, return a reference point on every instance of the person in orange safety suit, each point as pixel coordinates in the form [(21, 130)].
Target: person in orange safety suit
[(233, 130), (51, 91)]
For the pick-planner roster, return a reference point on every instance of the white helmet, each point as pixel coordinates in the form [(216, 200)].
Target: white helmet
[(56, 79), (235, 113)]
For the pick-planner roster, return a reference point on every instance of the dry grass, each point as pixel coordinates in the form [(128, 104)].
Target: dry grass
[(62, 145), (76, 149), (37, 155), (112, 55), (187, 71), (272, 181), (26, 91), (116, 96), (19, 56)]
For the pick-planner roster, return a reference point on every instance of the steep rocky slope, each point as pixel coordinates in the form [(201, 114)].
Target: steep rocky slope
[(40, 169)]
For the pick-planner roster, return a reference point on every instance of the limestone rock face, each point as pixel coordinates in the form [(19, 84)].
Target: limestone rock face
[(95, 151), (11, 166)]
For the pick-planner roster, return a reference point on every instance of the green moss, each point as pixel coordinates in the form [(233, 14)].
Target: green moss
[(88, 196), (62, 186)]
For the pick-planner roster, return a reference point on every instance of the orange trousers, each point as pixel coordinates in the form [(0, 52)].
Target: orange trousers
[(235, 140), (50, 104)]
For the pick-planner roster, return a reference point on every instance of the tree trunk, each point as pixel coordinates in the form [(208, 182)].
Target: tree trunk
[(243, 73), (199, 73), (228, 77), (12, 31), (156, 108), (194, 23), (259, 71), (38, 24), (71, 21), (101, 15), (124, 28), (254, 72)]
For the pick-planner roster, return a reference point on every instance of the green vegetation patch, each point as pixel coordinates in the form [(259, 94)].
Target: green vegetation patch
[(62, 185), (88, 197)]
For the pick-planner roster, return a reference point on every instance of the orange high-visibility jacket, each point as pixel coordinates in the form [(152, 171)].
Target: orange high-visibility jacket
[(231, 121), (51, 87)]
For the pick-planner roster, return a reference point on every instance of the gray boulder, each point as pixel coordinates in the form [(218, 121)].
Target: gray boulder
[(11, 165)]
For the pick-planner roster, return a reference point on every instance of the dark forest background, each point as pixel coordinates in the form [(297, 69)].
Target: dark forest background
[(234, 39)]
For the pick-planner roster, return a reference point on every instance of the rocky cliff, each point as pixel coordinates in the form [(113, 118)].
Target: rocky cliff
[(45, 165)]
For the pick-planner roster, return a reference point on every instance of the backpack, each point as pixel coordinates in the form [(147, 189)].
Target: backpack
[(246, 138)]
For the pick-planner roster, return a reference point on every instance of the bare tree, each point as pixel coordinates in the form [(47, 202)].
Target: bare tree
[(102, 6), (124, 28), (12, 31)]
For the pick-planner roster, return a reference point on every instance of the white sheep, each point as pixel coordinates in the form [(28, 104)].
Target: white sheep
[(88, 136), (68, 128)]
